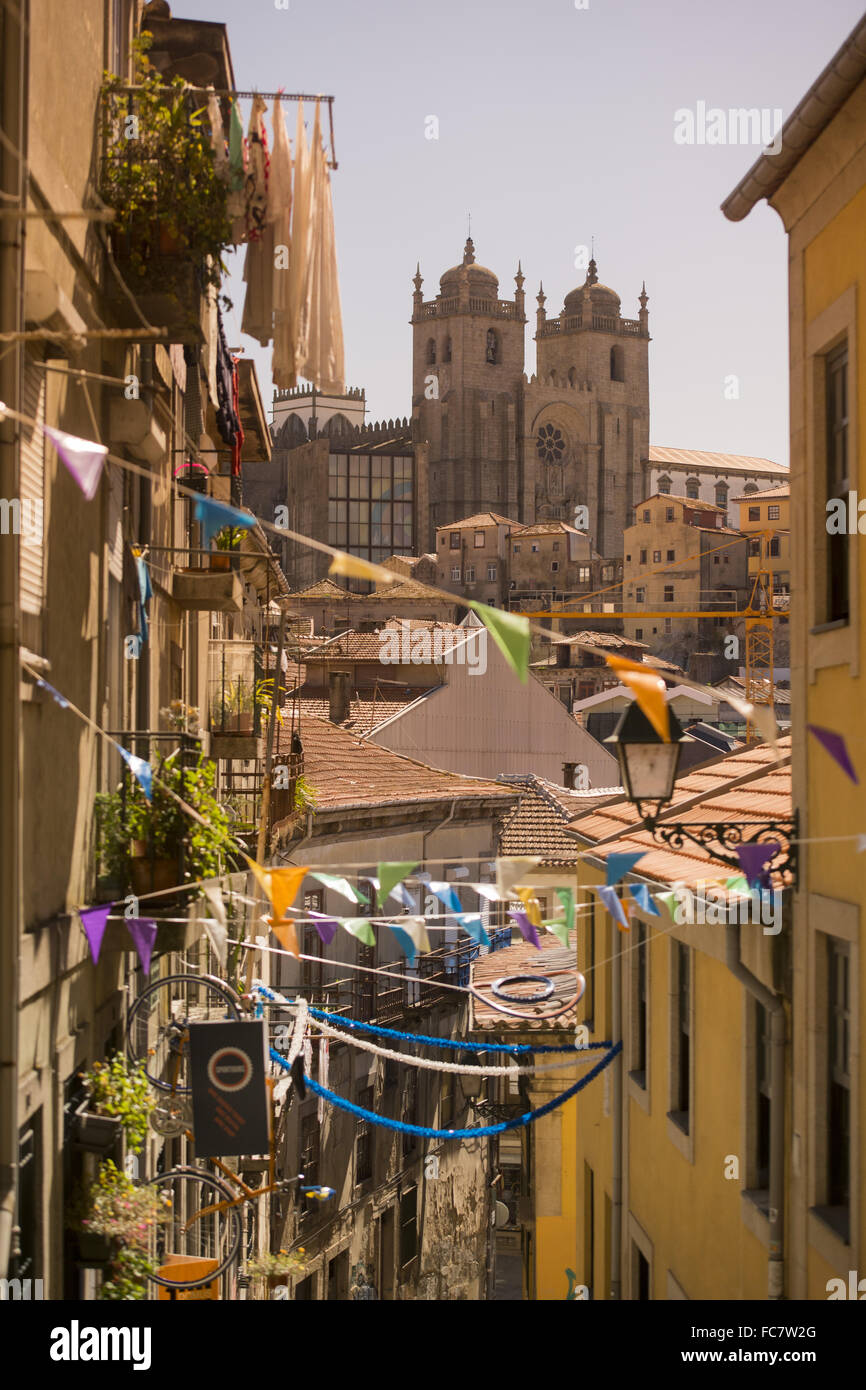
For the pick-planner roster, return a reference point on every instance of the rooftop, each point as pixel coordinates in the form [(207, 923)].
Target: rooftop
[(480, 519), (719, 463), (538, 824), (782, 490), (553, 960), (367, 709)]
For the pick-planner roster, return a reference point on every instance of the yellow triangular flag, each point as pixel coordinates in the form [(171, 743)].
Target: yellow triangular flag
[(353, 567), (530, 902), (286, 935), (649, 690)]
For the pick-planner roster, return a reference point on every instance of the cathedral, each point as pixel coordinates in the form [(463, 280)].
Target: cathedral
[(574, 435)]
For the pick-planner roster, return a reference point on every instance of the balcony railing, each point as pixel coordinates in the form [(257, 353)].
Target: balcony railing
[(236, 697)]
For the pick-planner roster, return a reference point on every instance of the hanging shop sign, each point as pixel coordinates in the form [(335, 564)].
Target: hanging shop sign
[(229, 1091)]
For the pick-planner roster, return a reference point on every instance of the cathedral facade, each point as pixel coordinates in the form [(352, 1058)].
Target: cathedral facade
[(574, 435)]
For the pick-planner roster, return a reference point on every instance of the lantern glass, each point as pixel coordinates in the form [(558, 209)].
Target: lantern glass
[(649, 770)]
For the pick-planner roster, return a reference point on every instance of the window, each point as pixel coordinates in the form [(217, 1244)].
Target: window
[(726, 559), (492, 346), (681, 1036), (749, 489), (693, 489), (643, 557), (672, 555), (646, 514), (446, 351), (670, 514), (606, 573), (469, 574), (583, 574), (721, 495), (311, 970), (554, 565), (773, 513), (638, 632), (535, 547), (491, 572), (617, 364), (308, 1161), (669, 593), (556, 545), (640, 1008), (755, 546), (364, 1138), (370, 505), (642, 1275), (657, 557), (664, 486), (455, 574), (715, 559), (408, 1227), (455, 540), (640, 594), (441, 540), (839, 1080), (517, 548), (668, 627), (775, 547), (410, 1115), (431, 352), (837, 482), (754, 513), (479, 540), (550, 444)]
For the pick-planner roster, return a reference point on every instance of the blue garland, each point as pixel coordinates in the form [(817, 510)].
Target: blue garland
[(424, 1133), (512, 1048)]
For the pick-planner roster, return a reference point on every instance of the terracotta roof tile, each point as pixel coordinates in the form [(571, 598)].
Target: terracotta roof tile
[(538, 824), (365, 712), (554, 961)]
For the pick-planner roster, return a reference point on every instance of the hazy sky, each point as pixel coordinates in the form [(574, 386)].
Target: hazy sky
[(555, 124)]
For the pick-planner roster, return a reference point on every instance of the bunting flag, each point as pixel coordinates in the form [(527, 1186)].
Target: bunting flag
[(670, 900), (94, 921), (511, 871), (326, 927), (141, 770), (280, 885), (143, 933), (215, 516), (471, 922), (353, 567), (530, 905), (216, 926), (641, 894), (609, 897), (762, 716), (405, 942), (361, 928), (59, 699), (619, 864), (835, 745), (737, 884), (527, 928), (286, 935), (446, 894), (649, 691), (389, 876), (754, 860), (566, 897), (83, 458), (485, 890), (415, 928), (341, 885), (404, 896), (510, 632), (559, 929)]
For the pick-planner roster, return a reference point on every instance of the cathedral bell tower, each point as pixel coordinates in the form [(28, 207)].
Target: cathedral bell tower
[(467, 373)]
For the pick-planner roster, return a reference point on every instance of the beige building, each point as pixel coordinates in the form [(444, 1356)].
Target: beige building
[(765, 519), (708, 477)]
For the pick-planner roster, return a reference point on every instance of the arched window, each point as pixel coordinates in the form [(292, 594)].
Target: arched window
[(693, 489), (446, 351), (492, 346), (721, 494), (431, 352), (749, 489), (664, 486), (617, 364)]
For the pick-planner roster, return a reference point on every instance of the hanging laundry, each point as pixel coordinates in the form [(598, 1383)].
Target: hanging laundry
[(236, 201), (237, 447), (146, 594), (320, 339), (131, 589), (279, 227), (226, 416), (286, 348), (217, 136), (258, 266)]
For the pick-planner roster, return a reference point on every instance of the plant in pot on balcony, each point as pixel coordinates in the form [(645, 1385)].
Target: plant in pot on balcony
[(114, 1217), (141, 843), (159, 176), (270, 1270), (235, 708), (230, 538), (122, 1093)]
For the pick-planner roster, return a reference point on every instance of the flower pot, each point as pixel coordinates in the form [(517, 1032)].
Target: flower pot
[(94, 1133), (220, 560), (151, 876), (95, 1249)]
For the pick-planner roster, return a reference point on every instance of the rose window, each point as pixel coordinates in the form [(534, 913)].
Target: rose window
[(550, 444)]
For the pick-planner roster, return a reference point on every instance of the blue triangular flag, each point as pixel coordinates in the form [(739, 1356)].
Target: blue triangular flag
[(406, 944), (619, 864), (613, 905), (215, 515), (641, 894), (141, 770), (405, 896), (446, 894), (471, 922)]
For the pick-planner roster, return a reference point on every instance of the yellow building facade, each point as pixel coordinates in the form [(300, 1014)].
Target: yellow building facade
[(765, 519)]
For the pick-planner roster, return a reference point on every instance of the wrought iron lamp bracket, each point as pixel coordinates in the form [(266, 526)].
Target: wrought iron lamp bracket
[(723, 838)]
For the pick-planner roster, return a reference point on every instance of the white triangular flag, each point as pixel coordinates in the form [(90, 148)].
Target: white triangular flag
[(511, 871), (216, 926)]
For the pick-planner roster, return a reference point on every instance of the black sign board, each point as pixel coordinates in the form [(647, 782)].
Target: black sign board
[(229, 1095)]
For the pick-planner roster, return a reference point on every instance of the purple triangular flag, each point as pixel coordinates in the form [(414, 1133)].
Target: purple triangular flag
[(754, 860), (326, 927), (93, 920), (527, 930), (611, 901), (82, 457), (143, 933), (835, 745)]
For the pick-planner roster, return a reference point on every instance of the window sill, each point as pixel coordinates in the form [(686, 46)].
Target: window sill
[(679, 1134), (833, 626), (835, 1220), (754, 1209), (638, 1089)]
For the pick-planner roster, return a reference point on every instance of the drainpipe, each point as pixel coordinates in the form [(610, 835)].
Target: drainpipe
[(616, 1128), (776, 1010), (13, 181), (427, 833)]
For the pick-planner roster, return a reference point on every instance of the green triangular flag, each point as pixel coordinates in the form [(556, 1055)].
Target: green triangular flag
[(559, 929), (342, 886), (670, 900), (361, 927), (738, 884), (510, 632), (389, 875), (566, 897)]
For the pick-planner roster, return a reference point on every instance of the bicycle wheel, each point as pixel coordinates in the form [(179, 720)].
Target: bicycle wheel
[(156, 1032), (193, 1227)]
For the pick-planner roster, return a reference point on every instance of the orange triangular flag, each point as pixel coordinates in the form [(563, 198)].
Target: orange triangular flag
[(280, 885), (649, 690), (286, 935)]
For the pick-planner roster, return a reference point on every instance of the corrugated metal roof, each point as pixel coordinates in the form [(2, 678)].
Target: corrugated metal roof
[(720, 463)]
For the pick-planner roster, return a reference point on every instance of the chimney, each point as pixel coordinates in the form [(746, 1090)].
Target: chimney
[(338, 696)]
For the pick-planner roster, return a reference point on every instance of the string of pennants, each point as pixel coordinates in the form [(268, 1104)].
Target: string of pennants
[(85, 459)]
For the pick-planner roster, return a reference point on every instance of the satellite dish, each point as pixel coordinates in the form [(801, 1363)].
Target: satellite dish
[(502, 1215)]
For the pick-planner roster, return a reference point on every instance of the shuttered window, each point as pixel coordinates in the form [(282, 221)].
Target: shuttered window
[(31, 551)]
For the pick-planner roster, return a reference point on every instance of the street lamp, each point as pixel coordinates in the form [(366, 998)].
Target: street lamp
[(648, 765)]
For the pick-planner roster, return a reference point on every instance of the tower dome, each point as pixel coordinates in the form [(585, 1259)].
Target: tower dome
[(483, 284), (605, 301)]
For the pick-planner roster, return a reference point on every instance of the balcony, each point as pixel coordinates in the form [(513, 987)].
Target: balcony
[(237, 699)]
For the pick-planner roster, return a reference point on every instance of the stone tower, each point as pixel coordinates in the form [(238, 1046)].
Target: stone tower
[(467, 379), (585, 435)]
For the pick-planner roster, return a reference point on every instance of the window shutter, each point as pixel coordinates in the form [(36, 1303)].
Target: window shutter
[(31, 550), (115, 524)]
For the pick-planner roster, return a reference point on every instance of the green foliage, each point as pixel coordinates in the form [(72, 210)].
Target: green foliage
[(120, 1209), (158, 173), (265, 695), (123, 1093), (305, 796), (163, 824), (129, 1274), (231, 538), (267, 1265)]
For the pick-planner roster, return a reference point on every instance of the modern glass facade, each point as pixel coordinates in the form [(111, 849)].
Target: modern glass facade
[(370, 504)]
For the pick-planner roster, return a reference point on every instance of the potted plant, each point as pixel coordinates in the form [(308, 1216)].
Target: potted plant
[(114, 1218), (121, 1094), (159, 176), (238, 707), (271, 1270), (229, 539), (141, 842)]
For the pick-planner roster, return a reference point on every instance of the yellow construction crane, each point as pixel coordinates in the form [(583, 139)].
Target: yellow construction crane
[(758, 617)]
